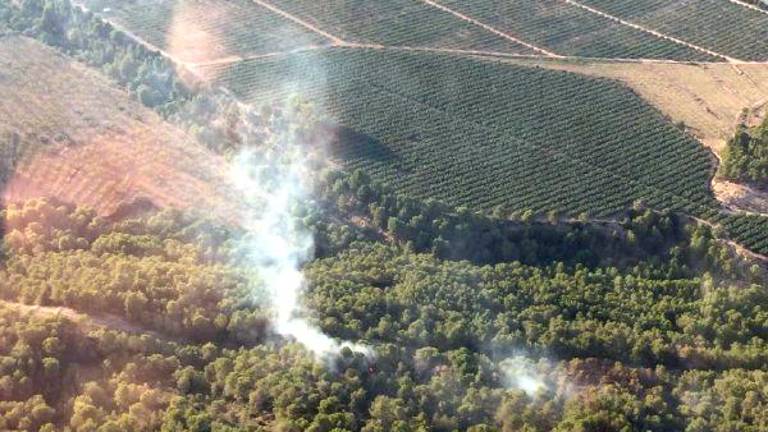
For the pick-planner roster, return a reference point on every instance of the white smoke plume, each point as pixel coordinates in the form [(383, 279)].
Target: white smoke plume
[(520, 372), (275, 182)]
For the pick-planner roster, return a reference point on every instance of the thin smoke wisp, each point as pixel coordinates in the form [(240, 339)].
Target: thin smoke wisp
[(520, 372), (275, 181)]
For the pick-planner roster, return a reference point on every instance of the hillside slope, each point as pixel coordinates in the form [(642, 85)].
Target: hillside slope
[(77, 137), (484, 134)]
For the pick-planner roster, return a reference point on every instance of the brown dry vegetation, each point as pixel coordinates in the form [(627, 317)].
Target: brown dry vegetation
[(707, 98), (89, 143)]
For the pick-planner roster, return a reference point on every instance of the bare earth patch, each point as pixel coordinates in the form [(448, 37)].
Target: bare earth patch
[(739, 197)]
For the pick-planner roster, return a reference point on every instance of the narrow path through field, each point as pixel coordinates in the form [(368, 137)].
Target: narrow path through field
[(479, 53), (502, 55), (652, 32), (441, 50), (236, 59), (491, 29), (299, 21), (749, 6)]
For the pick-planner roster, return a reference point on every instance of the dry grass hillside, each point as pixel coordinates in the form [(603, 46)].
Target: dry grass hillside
[(85, 141)]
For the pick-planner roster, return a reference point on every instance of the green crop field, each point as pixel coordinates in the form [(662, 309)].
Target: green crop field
[(484, 134), (202, 30), (569, 30), (718, 25), (398, 23), (751, 231), (466, 131)]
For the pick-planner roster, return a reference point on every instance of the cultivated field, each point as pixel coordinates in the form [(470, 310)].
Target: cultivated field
[(569, 30), (485, 134), (709, 99), (719, 25), (398, 23), (199, 31), (84, 141), (469, 131)]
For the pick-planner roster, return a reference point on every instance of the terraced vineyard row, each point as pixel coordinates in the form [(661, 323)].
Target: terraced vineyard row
[(718, 25), (205, 30), (397, 23), (570, 30), (485, 134)]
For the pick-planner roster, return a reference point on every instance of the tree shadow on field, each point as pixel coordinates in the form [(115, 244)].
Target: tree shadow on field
[(349, 145)]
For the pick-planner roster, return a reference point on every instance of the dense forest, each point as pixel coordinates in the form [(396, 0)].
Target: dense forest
[(476, 322), (746, 155), (531, 344)]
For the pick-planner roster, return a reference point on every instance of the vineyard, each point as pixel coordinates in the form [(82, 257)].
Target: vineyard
[(718, 25), (483, 134), (200, 31), (79, 139), (206, 30), (465, 131), (751, 231), (569, 30), (398, 23)]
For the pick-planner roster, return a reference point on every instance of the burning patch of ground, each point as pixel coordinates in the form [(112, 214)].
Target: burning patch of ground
[(82, 140)]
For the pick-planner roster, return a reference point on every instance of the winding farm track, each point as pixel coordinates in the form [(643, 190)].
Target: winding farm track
[(476, 53)]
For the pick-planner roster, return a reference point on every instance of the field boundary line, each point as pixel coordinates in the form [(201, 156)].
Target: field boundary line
[(518, 56), (299, 21), (440, 50), (749, 6), (501, 56), (651, 31), (235, 58), (498, 55), (490, 29)]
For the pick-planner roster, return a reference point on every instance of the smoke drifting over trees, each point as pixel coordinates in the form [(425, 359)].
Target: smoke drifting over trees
[(275, 183), (327, 302)]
